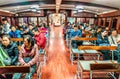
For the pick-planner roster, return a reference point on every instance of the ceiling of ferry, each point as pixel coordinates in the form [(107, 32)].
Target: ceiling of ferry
[(93, 6)]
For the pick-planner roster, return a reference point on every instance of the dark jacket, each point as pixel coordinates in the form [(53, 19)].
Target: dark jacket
[(102, 41), (29, 32), (12, 50)]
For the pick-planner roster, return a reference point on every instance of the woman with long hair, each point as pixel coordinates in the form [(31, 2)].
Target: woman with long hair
[(28, 56)]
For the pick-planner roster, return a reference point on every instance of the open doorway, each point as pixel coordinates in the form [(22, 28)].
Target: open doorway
[(56, 19)]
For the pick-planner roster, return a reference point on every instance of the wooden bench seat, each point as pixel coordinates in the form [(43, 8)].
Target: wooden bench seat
[(111, 48), (17, 39), (14, 69), (98, 69)]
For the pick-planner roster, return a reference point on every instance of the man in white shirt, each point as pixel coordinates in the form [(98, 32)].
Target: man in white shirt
[(114, 38), (6, 26)]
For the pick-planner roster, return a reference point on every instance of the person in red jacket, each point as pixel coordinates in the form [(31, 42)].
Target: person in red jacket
[(40, 39)]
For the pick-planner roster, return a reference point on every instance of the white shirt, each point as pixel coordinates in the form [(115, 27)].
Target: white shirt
[(113, 40), (6, 28)]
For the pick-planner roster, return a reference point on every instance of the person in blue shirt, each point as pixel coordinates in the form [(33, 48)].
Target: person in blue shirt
[(75, 34), (102, 40), (67, 29), (14, 33)]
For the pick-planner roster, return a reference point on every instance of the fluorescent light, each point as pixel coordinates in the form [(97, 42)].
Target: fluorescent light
[(38, 11), (34, 6), (80, 10), (97, 10), (74, 11), (7, 11), (34, 10), (79, 7), (108, 12)]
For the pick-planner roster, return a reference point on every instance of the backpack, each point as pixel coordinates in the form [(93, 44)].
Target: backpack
[(4, 58)]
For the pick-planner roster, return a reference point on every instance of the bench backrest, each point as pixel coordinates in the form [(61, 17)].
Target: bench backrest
[(105, 67), (97, 47), (14, 69), (86, 39), (17, 39)]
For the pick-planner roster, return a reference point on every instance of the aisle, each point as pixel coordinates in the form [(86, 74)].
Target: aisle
[(58, 63)]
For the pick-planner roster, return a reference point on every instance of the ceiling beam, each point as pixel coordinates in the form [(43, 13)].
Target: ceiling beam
[(58, 4)]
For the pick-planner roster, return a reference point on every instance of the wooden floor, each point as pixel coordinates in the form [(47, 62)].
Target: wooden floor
[(58, 63)]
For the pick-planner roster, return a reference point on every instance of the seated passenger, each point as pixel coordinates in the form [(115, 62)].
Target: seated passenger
[(28, 31), (114, 38), (1, 27), (109, 30), (75, 34), (11, 49), (102, 40), (67, 30), (14, 33), (97, 32), (28, 56), (90, 28), (6, 26), (40, 39), (44, 30)]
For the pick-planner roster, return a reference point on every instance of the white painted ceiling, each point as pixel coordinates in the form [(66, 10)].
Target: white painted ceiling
[(112, 3), (93, 9)]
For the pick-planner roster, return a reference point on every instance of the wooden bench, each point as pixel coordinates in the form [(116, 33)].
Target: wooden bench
[(112, 48), (14, 69), (105, 67), (78, 52), (97, 47), (86, 39), (101, 68), (85, 54)]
